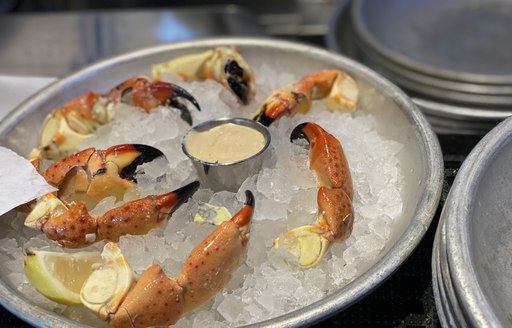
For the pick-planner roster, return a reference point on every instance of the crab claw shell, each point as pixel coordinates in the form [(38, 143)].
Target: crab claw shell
[(170, 94), (279, 103), (156, 300), (128, 156), (239, 80), (74, 227), (306, 243), (336, 213), (108, 285), (91, 175), (58, 137), (344, 94), (327, 157), (310, 242), (223, 64), (210, 265), (65, 127), (58, 170), (43, 210), (139, 216)]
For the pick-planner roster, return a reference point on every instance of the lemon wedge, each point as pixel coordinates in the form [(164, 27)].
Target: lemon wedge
[(306, 243), (107, 286), (211, 214), (60, 276)]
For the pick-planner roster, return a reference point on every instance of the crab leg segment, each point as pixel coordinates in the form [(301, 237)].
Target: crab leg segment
[(224, 65), (338, 90), (157, 300), (335, 220), (74, 227)]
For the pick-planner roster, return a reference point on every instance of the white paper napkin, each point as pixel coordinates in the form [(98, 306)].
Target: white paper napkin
[(19, 181)]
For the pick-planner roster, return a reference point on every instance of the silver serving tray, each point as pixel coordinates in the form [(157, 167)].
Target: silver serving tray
[(397, 116)]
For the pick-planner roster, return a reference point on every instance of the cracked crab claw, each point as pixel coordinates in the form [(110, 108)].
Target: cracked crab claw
[(337, 89), (334, 197)]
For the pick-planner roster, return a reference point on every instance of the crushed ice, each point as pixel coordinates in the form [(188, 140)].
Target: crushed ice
[(267, 284)]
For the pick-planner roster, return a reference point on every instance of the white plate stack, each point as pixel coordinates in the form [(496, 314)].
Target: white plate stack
[(453, 57)]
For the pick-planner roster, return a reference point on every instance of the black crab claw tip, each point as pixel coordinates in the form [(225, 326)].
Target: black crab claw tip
[(147, 154), (180, 92), (185, 113), (263, 119), (298, 132), (235, 78), (174, 102), (249, 198), (185, 192)]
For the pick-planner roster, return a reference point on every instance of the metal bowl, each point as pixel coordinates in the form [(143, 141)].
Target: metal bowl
[(479, 231), (227, 176), (397, 116)]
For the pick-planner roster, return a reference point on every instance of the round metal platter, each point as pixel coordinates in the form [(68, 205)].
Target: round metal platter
[(430, 81), (420, 159), (439, 38), (451, 119), (445, 118), (494, 99), (479, 229)]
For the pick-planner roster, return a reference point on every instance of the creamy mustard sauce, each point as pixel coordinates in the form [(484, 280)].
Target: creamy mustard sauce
[(225, 143)]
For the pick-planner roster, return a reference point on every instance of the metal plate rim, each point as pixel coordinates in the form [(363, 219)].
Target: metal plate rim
[(457, 213), (363, 32)]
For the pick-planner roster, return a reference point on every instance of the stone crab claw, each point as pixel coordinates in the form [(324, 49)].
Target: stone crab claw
[(140, 92), (91, 174), (72, 226), (335, 220), (83, 179), (65, 127), (157, 300), (224, 65), (338, 90)]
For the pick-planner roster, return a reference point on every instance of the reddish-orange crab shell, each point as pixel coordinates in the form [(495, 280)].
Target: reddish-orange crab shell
[(65, 127), (335, 220), (83, 179), (338, 90), (157, 300)]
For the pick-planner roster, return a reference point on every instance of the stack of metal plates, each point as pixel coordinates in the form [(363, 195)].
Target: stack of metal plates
[(454, 58), (472, 253), (447, 304)]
